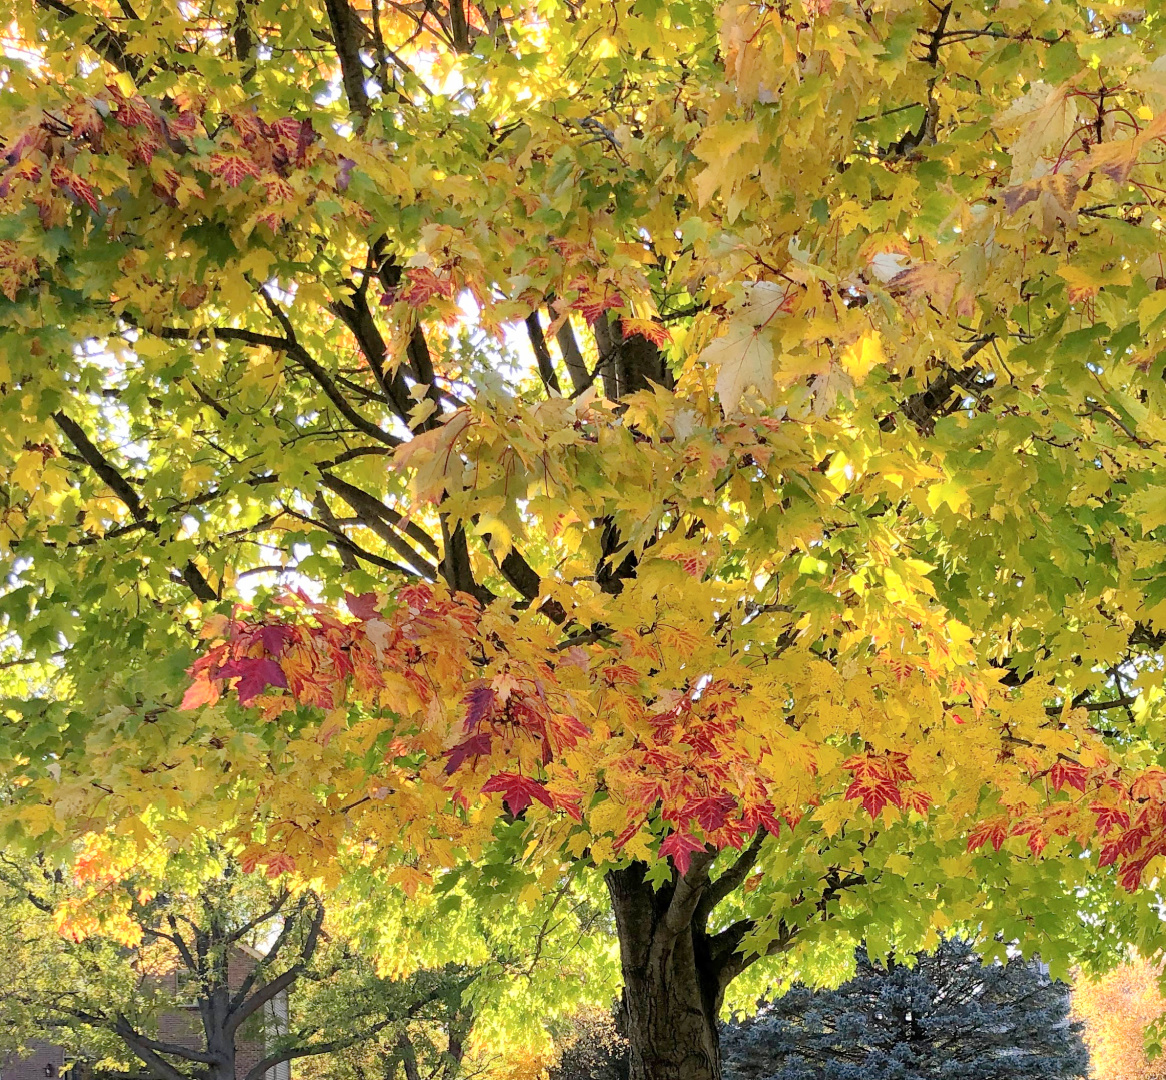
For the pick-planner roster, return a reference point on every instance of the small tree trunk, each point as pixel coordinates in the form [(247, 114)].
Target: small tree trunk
[(671, 991)]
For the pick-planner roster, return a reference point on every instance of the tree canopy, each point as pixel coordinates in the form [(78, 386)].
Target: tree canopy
[(716, 445)]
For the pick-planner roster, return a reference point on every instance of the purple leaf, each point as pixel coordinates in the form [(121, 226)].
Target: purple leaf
[(364, 606)]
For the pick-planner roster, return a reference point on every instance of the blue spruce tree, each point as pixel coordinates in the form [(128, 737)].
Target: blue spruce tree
[(945, 1018)]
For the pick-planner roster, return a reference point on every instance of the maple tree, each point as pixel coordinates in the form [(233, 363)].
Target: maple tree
[(718, 445)]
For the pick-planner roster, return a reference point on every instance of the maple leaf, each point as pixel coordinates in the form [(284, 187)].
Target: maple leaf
[(475, 746), (1109, 817), (192, 296), (421, 285), (710, 811), (518, 791), (183, 123), (930, 279), (1046, 117), (134, 111), (88, 120), (744, 357), (364, 607), (278, 189), (1083, 286), (74, 185), (254, 676), (1116, 158), (232, 168), (917, 799), (680, 846), (275, 638), (479, 703), (875, 792), (1068, 772), (202, 691), (278, 864), (592, 304), (287, 128), (994, 831), (656, 333)]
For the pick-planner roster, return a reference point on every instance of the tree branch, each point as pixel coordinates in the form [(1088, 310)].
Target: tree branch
[(730, 880), (162, 1069), (105, 41), (348, 33), (121, 487), (685, 897), (581, 378), (546, 366), (298, 353)]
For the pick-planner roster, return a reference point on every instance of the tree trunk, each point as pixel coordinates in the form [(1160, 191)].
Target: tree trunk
[(672, 992)]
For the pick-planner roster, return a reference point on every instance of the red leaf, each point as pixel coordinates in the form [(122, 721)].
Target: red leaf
[(183, 123), (232, 168), (994, 831), (1068, 772), (279, 864), (474, 746), (74, 185), (134, 111), (711, 811), (421, 285), (287, 128), (592, 304), (1108, 817), (200, 692), (654, 332), (479, 703), (364, 607), (681, 847), (916, 800), (279, 190), (254, 677), (275, 638), (875, 793), (1109, 854), (518, 791)]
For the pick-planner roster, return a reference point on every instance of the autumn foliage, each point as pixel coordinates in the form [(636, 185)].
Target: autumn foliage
[(714, 449), (1117, 1008)]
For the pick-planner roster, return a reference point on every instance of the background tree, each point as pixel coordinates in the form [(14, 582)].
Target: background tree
[(1119, 1010), (945, 1015), (801, 577), (96, 960)]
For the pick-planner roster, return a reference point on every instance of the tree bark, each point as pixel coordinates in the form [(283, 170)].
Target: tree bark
[(672, 986)]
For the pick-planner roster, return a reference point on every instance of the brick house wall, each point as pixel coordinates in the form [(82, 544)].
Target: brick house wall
[(45, 1060), (181, 1026)]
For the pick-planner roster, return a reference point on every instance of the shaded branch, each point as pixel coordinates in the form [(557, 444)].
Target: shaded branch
[(348, 33), (121, 487), (538, 342), (730, 880)]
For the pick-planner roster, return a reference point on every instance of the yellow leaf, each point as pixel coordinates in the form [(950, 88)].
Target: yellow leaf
[(865, 354)]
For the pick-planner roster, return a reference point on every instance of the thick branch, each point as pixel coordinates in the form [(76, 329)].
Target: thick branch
[(538, 342), (386, 523), (161, 1068), (730, 880), (683, 903), (581, 378), (348, 33)]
